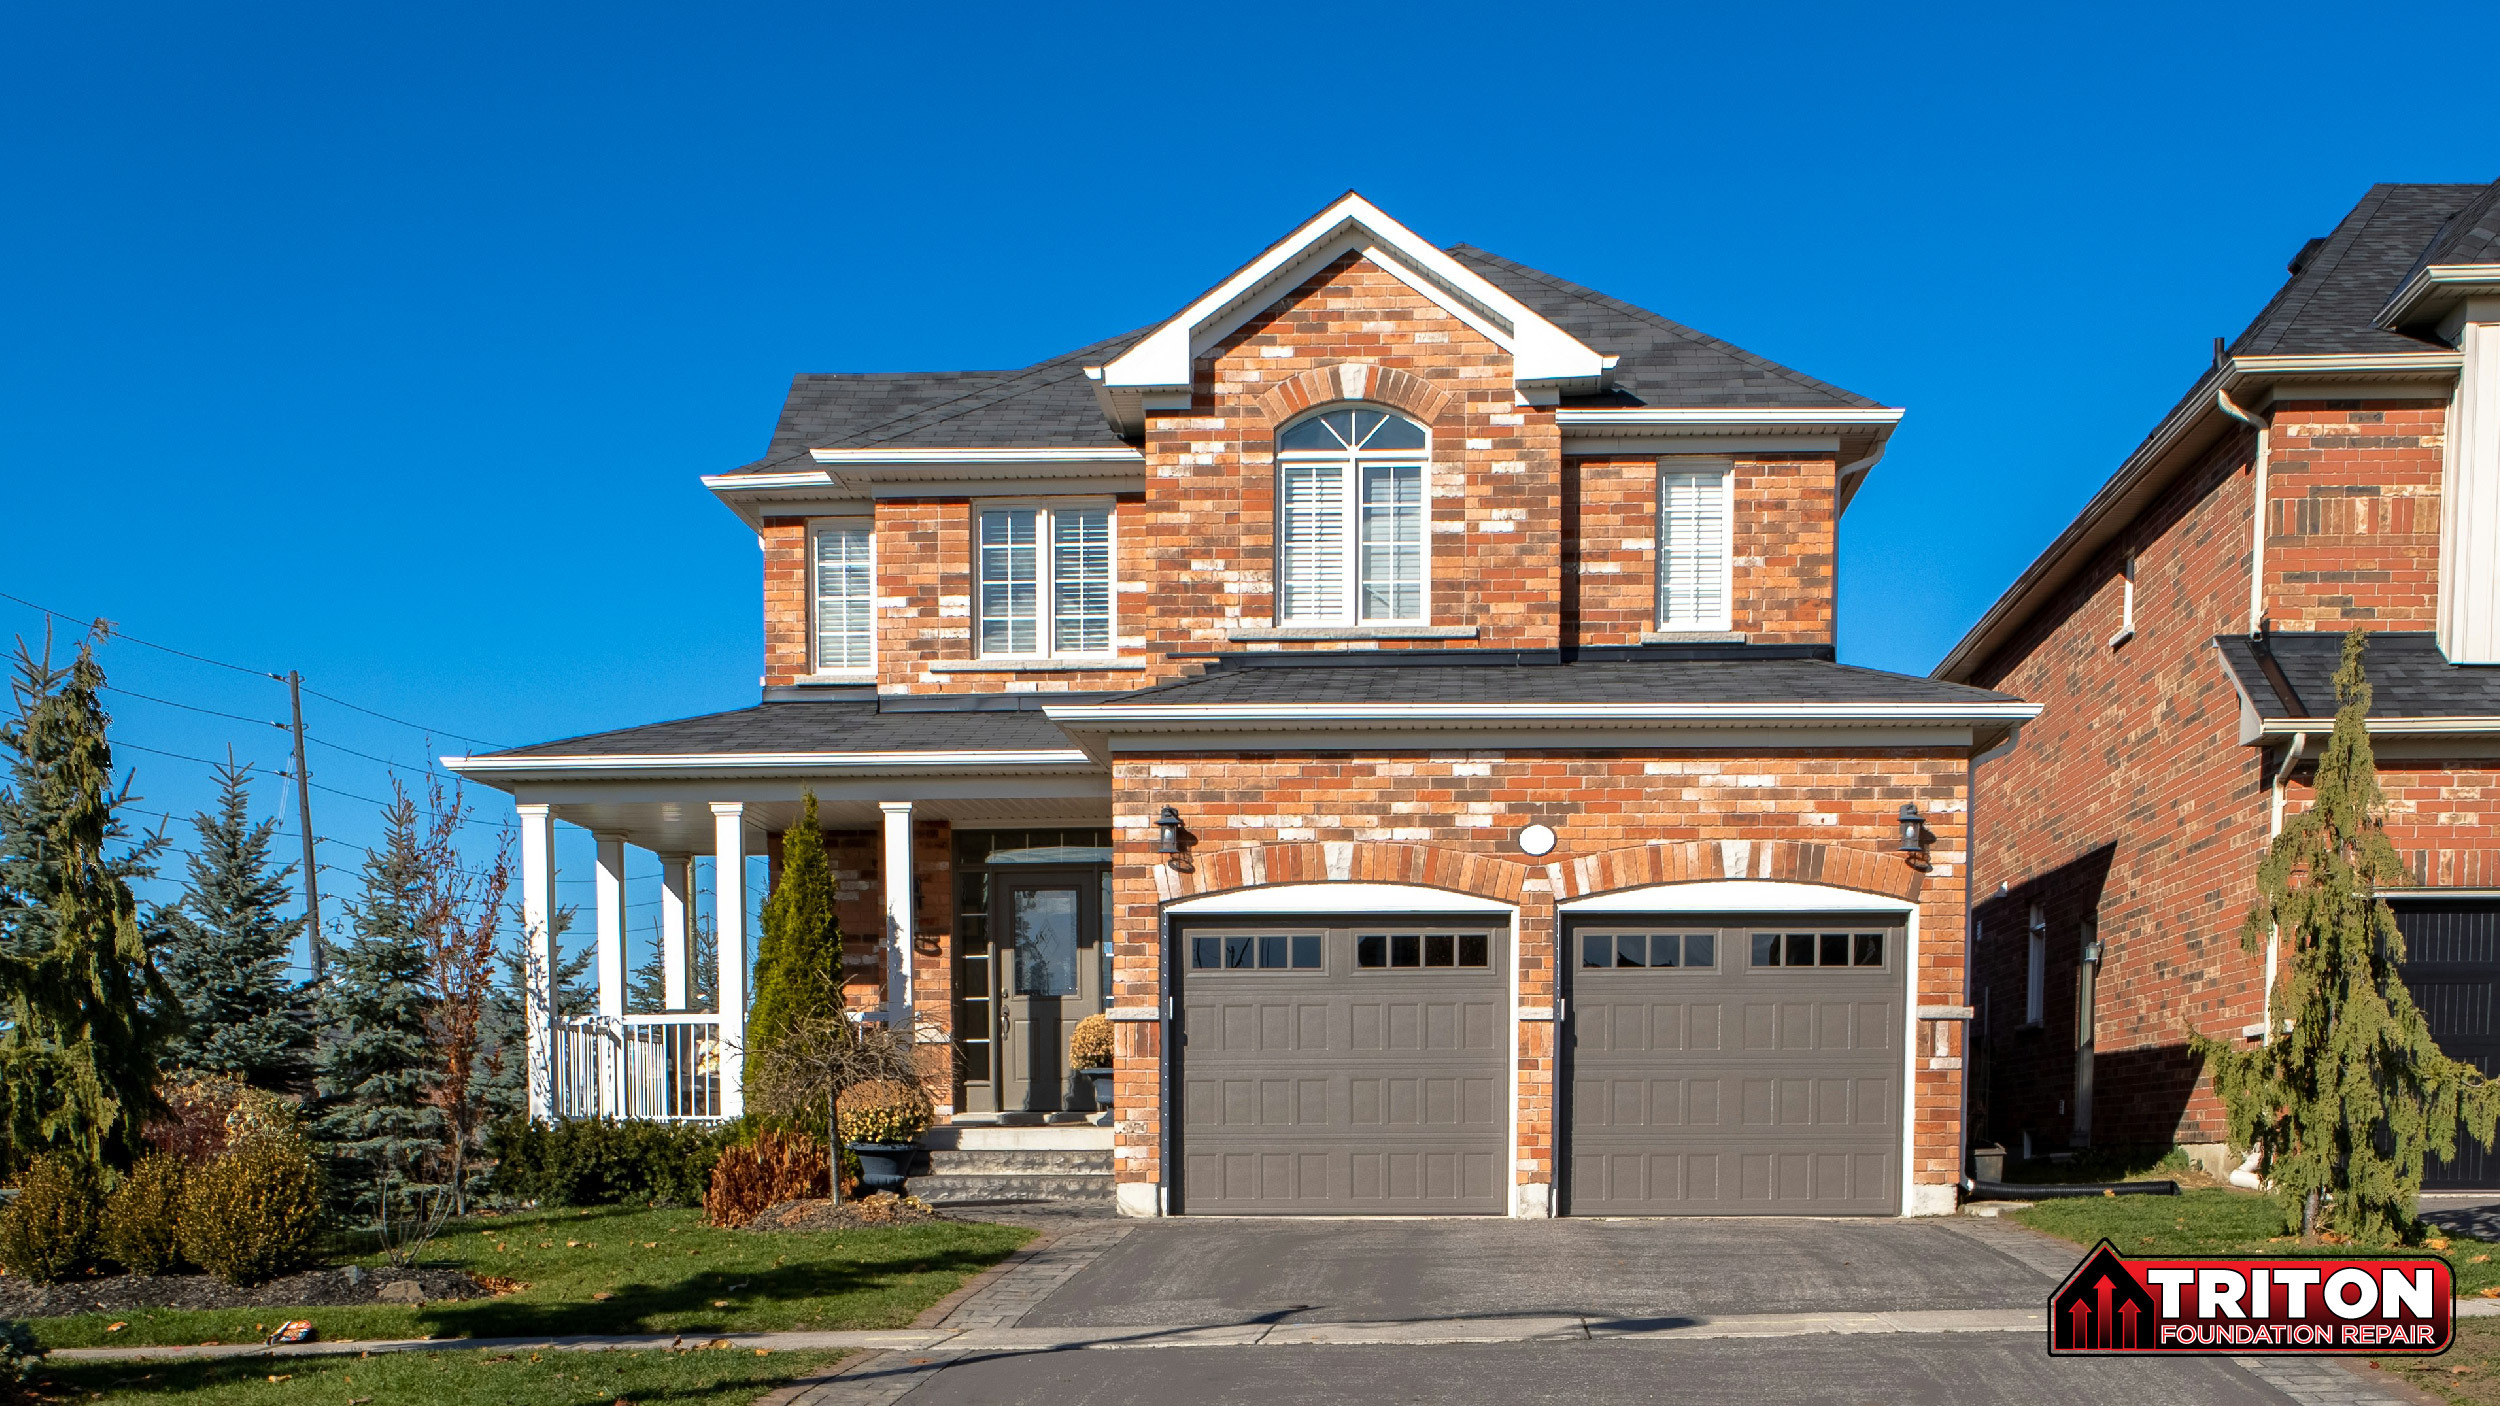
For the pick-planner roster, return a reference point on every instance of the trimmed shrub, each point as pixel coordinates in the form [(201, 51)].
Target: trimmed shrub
[(883, 1110), (255, 1212), (595, 1162), (1089, 1044), (778, 1166), (143, 1217), (49, 1231)]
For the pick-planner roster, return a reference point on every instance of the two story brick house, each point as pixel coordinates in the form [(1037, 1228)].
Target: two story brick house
[(2338, 465), (1398, 689)]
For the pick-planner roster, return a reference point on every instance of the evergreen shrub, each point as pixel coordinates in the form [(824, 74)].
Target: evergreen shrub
[(597, 1162), (49, 1231), (255, 1212), (142, 1225)]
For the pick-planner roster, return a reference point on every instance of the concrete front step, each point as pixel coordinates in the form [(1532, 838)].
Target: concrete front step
[(994, 1137), (1021, 1162), (951, 1189)]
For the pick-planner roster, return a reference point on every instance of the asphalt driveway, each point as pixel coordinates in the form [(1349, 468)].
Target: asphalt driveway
[(1207, 1272)]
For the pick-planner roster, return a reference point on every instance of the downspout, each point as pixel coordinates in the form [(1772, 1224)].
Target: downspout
[(2274, 829), (2257, 517)]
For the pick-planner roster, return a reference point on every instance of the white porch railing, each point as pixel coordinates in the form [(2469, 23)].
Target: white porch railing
[(664, 1068)]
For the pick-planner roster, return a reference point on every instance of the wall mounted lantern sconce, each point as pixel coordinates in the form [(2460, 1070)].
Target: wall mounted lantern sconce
[(1913, 831), (1168, 832)]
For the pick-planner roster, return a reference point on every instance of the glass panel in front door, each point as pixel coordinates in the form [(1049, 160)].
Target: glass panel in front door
[(1045, 933)]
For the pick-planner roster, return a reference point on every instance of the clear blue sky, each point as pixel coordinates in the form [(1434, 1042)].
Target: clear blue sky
[(386, 343)]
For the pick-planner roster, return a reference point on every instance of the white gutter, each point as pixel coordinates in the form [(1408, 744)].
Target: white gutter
[(2455, 280), (760, 483), (2257, 518), (2276, 729), (1134, 716), (1773, 419), (1113, 454), (812, 762)]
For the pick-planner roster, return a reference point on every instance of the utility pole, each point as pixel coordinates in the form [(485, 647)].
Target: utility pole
[(303, 814)]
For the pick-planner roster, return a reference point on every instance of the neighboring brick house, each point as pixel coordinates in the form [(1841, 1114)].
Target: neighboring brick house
[(1395, 660), (2339, 465)]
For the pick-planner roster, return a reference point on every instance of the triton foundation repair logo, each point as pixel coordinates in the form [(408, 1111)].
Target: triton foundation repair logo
[(2288, 1307)]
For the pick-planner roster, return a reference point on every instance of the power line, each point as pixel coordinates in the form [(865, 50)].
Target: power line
[(177, 756), (403, 722), (191, 707), (134, 639)]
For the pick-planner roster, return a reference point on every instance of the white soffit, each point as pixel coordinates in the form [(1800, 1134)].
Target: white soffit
[(1738, 896), (1541, 353), (1338, 898)]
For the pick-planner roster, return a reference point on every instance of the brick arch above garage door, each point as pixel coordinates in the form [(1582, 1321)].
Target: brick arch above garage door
[(1344, 861), (1645, 866)]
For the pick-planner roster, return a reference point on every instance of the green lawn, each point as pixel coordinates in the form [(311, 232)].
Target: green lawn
[(2218, 1222), (616, 1270), (702, 1378)]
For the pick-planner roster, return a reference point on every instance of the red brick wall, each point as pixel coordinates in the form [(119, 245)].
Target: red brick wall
[(857, 859), (2352, 520), (784, 540), (2131, 784), (1449, 819), (1786, 544)]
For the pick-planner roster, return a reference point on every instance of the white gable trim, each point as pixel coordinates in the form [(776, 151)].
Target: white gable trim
[(1544, 358)]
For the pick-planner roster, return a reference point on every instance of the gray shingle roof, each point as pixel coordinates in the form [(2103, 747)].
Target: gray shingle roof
[(1051, 405), (2409, 677), (815, 727), (2331, 305), (1610, 681), (2472, 235), (1664, 363)]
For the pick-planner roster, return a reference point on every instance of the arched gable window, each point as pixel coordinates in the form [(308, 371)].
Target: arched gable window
[(1351, 532)]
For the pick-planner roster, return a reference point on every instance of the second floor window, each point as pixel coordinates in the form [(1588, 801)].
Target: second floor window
[(1045, 580), (1693, 561), (1351, 496), (846, 588)]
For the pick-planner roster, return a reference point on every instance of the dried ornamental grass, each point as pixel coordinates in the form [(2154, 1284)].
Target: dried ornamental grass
[(778, 1166)]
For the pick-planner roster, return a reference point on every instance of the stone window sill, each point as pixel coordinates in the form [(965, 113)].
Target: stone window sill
[(1262, 634), (1037, 666), (1692, 637), (835, 677)]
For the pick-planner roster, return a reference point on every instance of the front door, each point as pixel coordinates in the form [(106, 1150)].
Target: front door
[(1046, 931)]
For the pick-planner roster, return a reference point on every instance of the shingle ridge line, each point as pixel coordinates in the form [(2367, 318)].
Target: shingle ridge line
[(1692, 334)]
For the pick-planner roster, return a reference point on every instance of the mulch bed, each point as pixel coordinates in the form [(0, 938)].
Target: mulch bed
[(884, 1208), (314, 1288)]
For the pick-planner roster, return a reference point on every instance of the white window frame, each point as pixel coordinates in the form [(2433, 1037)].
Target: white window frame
[(1725, 469), (816, 528), (1046, 514), (1350, 464), (2036, 985)]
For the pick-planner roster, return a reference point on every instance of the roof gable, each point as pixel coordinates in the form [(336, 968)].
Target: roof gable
[(1156, 372)]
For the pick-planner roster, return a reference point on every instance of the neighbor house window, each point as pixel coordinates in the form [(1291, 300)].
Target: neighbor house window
[(1693, 513), (1351, 494), (2036, 988), (1045, 580), (846, 587)]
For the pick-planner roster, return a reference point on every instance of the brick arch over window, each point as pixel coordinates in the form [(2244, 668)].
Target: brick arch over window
[(1356, 380), (1641, 866), (1344, 861)]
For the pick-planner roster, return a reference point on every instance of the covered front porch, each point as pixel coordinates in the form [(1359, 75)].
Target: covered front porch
[(996, 946)]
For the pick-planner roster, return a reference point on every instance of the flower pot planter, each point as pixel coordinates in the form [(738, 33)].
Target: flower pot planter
[(1099, 1081), (883, 1166)]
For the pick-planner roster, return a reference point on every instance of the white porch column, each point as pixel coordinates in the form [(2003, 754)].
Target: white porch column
[(729, 917), (538, 939), (676, 957), (900, 881), (608, 891), (2469, 497)]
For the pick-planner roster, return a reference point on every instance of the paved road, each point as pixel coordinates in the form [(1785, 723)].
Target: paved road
[(1591, 1312)]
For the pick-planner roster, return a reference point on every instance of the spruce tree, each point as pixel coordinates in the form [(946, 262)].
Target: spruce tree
[(647, 992), (225, 951), (2349, 1091), (377, 1059), (798, 965), (84, 1002)]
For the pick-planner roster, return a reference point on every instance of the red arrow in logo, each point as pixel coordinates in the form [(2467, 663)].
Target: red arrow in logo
[(2081, 1337), (2109, 1328), (2128, 1312)]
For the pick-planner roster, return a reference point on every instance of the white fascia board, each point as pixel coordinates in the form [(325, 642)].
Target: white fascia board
[(2439, 283), (1722, 420), (2283, 729), (2254, 370), (767, 483), (1114, 718), (738, 763), (1026, 459), (1540, 351)]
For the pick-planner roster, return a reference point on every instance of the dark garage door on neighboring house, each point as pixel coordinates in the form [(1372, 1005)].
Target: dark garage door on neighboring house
[(1735, 1066), (1336, 1065), (2452, 965)]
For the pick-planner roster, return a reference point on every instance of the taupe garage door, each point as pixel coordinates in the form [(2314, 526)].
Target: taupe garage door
[(1337, 1065), (1727, 1066)]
